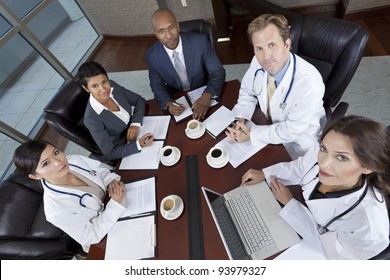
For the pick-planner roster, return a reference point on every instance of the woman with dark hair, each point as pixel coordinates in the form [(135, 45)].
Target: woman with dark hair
[(345, 181), (74, 190), (109, 116)]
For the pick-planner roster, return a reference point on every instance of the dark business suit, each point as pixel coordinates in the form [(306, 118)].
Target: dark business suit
[(202, 65), (110, 132)]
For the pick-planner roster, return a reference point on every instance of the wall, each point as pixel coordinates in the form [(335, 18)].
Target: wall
[(362, 5), (132, 17)]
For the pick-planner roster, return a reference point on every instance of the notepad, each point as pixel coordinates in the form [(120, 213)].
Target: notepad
[(134, 235), (218, 121), (132, 239)]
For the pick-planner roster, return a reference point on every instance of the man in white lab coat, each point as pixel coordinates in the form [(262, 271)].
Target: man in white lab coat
[(295, 109)]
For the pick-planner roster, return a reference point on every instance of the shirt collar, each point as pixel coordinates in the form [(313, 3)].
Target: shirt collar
[(96, 105), (178, 49), (279, 76)]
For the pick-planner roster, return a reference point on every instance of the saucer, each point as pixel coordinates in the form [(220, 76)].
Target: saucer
[(201, 132), (178, 211), (173, 162), (219, 165)]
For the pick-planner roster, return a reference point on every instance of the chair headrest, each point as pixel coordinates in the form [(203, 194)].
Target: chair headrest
[(70, 102)]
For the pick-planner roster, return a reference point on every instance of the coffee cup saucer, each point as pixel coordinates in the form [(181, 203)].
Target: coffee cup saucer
[(220, 164), (178, 211), (197, 135), (166, 163)]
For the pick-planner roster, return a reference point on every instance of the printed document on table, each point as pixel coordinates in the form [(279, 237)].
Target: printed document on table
[(148, 158), (140, 197), (218, 121), (132, 239), (157, 125), (239, 152)]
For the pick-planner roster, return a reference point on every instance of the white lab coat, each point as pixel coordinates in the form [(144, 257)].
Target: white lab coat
[(86, 225), (360, 234), (299, 124)]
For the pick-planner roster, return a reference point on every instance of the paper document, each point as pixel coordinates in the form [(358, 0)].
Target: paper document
[(301, 251), (157, 125), (239, 152), (218, 121), (188, 100), (132, 239), (140, 197), (148, 158)]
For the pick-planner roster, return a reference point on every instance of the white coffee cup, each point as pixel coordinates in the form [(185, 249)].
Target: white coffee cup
[(170, 206), (169, 154), (216, 155), (193, 127)]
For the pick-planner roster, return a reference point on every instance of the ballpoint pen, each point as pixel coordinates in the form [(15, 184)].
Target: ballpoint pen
[(174, 103), (146, 140)]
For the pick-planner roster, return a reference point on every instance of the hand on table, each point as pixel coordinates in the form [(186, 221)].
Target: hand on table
[(146, 140), (116, 190), (252, 176), (132, 132), (280, 191), (201, 106)]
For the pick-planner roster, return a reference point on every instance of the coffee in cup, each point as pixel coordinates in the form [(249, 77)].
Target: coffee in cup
[(169, 154), (171, 207), (193, 127), (216, 156)]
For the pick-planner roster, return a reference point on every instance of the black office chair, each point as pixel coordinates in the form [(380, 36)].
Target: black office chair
[(65, 114), (200, 26), (335, 47)]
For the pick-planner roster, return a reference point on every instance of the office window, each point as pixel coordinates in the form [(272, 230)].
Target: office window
[(30, 77)]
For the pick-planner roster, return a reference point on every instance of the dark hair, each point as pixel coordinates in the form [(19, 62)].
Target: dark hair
[(26, 156), (262, 21), (88, 70), (371, 145)]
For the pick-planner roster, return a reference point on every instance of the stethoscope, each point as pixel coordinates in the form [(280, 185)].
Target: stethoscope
[(82, 198), (283, 104), (324, 228)]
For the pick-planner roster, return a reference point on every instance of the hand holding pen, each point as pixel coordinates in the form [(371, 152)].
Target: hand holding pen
[(238, 132), (146, 140), (176, 108)]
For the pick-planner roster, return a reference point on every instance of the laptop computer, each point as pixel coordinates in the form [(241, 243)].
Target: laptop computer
[(248, 222)]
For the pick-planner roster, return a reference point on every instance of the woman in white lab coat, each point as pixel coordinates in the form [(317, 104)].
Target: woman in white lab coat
[(345, 180), (74, 190), (295, 110)]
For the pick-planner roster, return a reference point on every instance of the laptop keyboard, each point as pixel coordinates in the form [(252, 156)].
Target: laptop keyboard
[(231, 238), (253, 227)]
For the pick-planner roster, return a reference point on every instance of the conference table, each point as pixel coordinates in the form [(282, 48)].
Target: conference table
[(194, 234)]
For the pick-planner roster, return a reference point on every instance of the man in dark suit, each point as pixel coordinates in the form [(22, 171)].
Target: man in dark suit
[(202, 65)]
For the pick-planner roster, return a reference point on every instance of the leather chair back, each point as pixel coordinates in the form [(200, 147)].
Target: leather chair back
[(335, 47), (199, 26), (24, 231), (65, 114)]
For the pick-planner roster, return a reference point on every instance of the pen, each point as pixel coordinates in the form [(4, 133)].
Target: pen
[(146, 140), (174, 103)]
